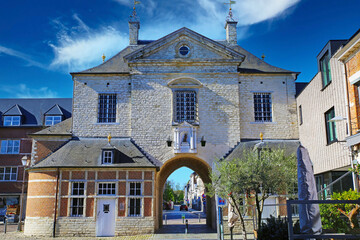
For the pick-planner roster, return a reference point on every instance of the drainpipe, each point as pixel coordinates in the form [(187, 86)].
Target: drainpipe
[(56, 198), (349, 126)]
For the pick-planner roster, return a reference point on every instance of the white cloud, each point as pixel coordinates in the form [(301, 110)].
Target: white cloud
[(81, 47), (28, 59), (23, 91)]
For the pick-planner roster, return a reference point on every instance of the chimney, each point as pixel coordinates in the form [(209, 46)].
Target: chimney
[(134, 26), (231, 35)]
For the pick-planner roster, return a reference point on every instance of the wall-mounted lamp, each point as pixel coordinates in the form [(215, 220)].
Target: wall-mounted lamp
[(169, 142), (203, 142)]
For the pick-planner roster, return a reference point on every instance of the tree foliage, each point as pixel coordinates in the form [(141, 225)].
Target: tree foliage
[(259, 173), (332, 214)]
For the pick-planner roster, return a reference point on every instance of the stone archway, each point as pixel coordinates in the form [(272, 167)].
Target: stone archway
[(199, 166)]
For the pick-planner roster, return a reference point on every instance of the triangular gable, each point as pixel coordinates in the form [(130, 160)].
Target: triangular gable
[(54, 110), (13, 111), (181, 33)]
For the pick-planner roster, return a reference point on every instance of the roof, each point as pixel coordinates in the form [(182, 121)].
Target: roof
[(34, 109), (60, 129), (299, 87), (119, 65), (87, 152), (350, 47), (290, 147)]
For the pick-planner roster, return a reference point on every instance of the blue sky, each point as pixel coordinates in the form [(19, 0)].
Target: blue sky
[(42, 41)]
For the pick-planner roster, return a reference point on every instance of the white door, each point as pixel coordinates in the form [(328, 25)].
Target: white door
[(105, 221)]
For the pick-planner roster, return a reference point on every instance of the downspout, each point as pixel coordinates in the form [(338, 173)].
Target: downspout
[(349, 126), (56, 198)]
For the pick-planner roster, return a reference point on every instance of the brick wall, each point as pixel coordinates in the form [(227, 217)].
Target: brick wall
[(41, 201), (352, 67)]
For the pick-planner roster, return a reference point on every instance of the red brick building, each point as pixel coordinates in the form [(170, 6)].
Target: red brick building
[(19, 118)]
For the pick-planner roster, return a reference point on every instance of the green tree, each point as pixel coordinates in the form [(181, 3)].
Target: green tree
[(168, 192), (257, 172)]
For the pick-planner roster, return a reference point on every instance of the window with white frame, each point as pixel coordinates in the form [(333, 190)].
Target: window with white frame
[(135, 199), (52, 120), (107, 108), (262, 107), (12, 121), (107, 157), (106, 189), (185, 106), (8, 173), (77, 202), (10, 146)]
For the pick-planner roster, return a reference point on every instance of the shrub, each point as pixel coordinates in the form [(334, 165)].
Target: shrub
[(275, 229)]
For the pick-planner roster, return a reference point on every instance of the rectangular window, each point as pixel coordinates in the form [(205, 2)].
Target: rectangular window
[(8, 173), (330, 126), (106, 189), (135, 189), (10, 146), (107, 157), (325, 69), (262, 107), (12, 121), (107, 108), (300, 115), (134, 207), (77, 203), (185, 106), (52, 120)]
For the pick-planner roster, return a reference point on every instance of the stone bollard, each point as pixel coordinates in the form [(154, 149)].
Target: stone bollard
[(199, 217), (186, 226), (165, 219), (5, 224)]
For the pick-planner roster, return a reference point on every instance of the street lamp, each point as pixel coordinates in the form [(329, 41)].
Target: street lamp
[(24, 161)]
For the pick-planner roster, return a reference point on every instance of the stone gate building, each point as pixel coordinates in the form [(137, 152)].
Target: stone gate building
[(182, 100)]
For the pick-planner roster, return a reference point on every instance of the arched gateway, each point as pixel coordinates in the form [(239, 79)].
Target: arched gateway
[(181, 100), (199, 166)]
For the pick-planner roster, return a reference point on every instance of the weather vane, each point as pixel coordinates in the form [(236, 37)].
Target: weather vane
[(230, 17), (134, 16)]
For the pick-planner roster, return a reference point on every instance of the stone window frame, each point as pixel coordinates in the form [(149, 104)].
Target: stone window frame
[(5, 146), (103, 109), (10, 120), (261, 113), (176, 113), (51, 120), (77, 201), (3, 174), (181, 44)]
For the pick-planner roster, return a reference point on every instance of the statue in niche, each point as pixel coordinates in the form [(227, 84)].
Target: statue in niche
[(185, 139)]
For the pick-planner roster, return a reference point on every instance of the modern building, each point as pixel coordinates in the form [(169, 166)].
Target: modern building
[(349, 55), (181, 100), (319, 102), (19, 118)]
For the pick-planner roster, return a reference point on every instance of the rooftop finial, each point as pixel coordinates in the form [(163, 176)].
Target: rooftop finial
[(134, 17), (103, 57), (263, 57), (261, 136), (230, 16), (109, 137)]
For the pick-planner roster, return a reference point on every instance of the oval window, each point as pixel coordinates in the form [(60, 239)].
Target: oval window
[(184, 50)]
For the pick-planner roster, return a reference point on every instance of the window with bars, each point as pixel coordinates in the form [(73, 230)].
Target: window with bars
[(12, 120), (8, 173), (10, 146), (77, 203), (262, 107), (185, 106), (52, 120), (107, 108), (107, 157), (106, 189)]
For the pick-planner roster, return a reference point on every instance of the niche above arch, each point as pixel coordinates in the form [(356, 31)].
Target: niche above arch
[(185, 83)]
